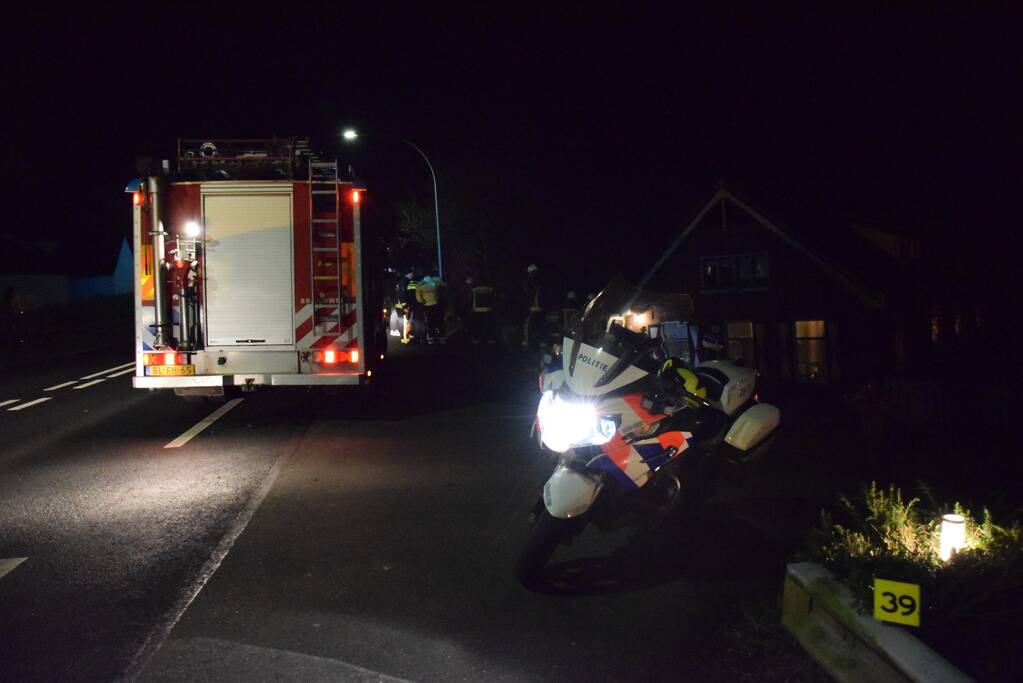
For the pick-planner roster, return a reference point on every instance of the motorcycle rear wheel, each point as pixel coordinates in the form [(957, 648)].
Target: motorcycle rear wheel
[(548, 533)]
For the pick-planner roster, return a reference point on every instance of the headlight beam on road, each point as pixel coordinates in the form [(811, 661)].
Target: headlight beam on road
[(204, 423)]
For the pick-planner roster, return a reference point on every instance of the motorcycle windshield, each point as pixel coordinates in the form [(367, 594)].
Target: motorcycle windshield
[(617, 323)]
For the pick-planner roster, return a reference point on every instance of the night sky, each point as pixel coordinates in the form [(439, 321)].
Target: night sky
[(584, 136)]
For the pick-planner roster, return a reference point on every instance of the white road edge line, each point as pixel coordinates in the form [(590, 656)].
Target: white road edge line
[(204, 423), (103, 372), (89, 384), (61, 386), (9, 564), (30, 403), (9, 402), (159, 634), (123, 372)]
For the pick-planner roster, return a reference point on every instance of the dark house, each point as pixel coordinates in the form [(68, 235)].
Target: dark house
[(822, 308), (36, 275)]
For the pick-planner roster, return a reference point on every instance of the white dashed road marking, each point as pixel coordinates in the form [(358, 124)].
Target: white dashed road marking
[(103, 372), (61, 386), (89, 384), (30, 403), (204, 423), (9, 402), (8, 564), (123, 372)]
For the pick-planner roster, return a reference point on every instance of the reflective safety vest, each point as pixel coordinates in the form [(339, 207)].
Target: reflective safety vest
[(482, 299), (427, 293)]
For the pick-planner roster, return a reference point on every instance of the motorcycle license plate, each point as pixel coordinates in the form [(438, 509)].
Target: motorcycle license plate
[(171, 370)]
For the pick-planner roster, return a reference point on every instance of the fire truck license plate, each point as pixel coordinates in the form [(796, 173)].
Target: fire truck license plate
[(171, 370)]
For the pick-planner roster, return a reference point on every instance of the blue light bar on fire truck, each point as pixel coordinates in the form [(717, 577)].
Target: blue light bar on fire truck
[(135, 188)]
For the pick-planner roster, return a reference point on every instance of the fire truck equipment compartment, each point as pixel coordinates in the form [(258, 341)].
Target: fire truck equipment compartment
[(249, 278)]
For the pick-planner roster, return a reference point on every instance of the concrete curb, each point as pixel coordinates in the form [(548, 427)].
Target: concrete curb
[(823, 615)]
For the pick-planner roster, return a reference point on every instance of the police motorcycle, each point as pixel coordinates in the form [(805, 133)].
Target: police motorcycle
[(635, 434)]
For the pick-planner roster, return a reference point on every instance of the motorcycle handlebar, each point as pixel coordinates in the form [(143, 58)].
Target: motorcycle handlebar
[(699, 399)]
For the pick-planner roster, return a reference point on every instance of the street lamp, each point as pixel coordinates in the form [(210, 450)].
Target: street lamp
[(349, 134)]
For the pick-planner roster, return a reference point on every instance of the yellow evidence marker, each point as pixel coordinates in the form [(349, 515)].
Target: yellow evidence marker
[(897, 602)]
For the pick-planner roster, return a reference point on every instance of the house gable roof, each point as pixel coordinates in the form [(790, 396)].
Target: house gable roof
[(722, 195)]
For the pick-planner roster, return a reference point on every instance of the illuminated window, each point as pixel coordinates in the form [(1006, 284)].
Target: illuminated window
[(811, 362), (678, 339), (740, 342)]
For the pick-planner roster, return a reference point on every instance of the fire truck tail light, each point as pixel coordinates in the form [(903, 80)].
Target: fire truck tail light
[(136, 198), (333, 356), (355, 196), (168, 358)]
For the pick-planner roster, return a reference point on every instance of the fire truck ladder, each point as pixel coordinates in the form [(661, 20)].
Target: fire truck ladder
[(326, 245)]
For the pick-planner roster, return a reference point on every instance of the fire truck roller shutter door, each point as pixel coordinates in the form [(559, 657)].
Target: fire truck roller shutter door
[(249, 278)]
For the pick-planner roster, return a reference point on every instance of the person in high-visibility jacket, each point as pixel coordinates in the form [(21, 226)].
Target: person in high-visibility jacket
[(429, 294), (407, 291)]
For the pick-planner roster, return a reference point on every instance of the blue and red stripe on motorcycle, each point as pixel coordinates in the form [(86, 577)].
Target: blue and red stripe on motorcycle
[(635, 462)]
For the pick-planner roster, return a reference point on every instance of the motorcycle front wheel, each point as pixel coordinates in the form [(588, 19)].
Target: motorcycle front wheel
[(548, 533)]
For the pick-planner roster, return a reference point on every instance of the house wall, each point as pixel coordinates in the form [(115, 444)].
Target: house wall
[(859, 341), (86, 288), (30, 292)]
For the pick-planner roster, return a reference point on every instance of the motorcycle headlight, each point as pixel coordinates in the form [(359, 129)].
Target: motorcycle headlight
[(567, 424)]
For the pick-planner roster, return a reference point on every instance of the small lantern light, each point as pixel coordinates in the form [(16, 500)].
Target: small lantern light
[(953, 536)]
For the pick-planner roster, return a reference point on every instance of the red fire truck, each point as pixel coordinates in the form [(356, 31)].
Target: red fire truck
[(251, 270)]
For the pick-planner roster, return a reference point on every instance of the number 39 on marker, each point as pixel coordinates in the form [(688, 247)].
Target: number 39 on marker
[(897, 602)]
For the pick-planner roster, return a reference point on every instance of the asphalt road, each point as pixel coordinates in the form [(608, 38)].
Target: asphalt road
[(312, 536)]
